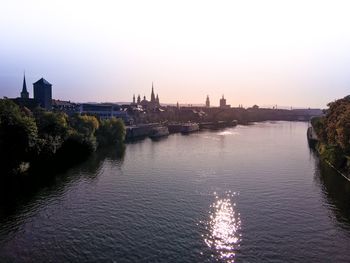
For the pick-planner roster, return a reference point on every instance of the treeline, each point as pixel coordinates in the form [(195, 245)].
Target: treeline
[(32, 139), (333, 131)]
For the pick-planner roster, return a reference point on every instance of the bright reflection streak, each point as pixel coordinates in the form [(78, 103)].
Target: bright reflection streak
[(223, 226)]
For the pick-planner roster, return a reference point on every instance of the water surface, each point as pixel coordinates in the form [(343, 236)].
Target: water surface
[(246, 194)]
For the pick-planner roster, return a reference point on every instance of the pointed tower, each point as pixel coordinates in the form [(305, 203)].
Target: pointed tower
[(153, 99), (157, 100), (207, 102), (138, 99), (133, 99), (24, 93)]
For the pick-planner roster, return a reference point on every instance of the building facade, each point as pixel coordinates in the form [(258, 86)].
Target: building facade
[(105, 111)]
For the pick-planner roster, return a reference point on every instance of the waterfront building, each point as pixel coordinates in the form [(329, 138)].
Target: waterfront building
[(207, 102), (24, 93), (105, 111), (43, 93)]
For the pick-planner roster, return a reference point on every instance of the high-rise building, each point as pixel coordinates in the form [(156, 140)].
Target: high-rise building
[(43, 93), (24, 93)]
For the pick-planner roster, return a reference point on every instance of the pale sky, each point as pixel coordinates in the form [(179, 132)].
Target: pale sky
[(291, 53)]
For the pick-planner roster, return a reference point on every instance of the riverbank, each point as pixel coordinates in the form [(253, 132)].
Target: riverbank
[(136, 132), (38, 139), (330, 135)]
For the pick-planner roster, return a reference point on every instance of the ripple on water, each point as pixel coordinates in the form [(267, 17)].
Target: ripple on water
[(223, 228)]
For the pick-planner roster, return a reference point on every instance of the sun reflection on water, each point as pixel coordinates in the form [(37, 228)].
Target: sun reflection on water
[(223, 227)]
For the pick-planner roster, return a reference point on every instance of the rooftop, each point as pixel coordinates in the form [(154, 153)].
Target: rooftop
[(43, 81)]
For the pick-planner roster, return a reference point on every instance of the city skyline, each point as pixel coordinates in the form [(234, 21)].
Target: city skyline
[(291, 54)]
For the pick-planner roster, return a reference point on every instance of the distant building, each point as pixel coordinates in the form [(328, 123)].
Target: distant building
[(65, 106), (152, 104), (105, 111), (43, 93), (24, 100), (207, 102), (24, 93), (223, 103)]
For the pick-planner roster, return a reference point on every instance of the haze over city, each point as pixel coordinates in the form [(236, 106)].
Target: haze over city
[(290, 53)]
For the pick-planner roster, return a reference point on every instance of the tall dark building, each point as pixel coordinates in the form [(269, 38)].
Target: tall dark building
[(43, 93), (24, 93)]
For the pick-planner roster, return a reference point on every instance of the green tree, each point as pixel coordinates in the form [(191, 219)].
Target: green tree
[(84, 124), (18, 136), (53, 130), (111, 132)]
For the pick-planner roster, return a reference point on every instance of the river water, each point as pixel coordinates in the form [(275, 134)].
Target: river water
[(252, 193)]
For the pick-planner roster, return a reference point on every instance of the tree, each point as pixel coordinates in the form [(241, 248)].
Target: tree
[(18, 136), (84, 124), (53, 130), (111, 132)]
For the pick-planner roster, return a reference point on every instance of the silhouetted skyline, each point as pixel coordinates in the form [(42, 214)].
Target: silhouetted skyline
[(290, 53)]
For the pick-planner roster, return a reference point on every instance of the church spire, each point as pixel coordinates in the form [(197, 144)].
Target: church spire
[(153, 98), (24, 93)]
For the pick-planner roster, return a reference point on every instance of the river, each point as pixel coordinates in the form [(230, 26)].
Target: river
[(253, 193)]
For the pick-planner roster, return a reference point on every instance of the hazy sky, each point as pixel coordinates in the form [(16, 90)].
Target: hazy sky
[(292, 53)]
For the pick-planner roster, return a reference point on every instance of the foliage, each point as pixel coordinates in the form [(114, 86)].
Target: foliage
[(333, 131), (84, 124), (18, 136), (53, 130), (111, 132), (44, 137)]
